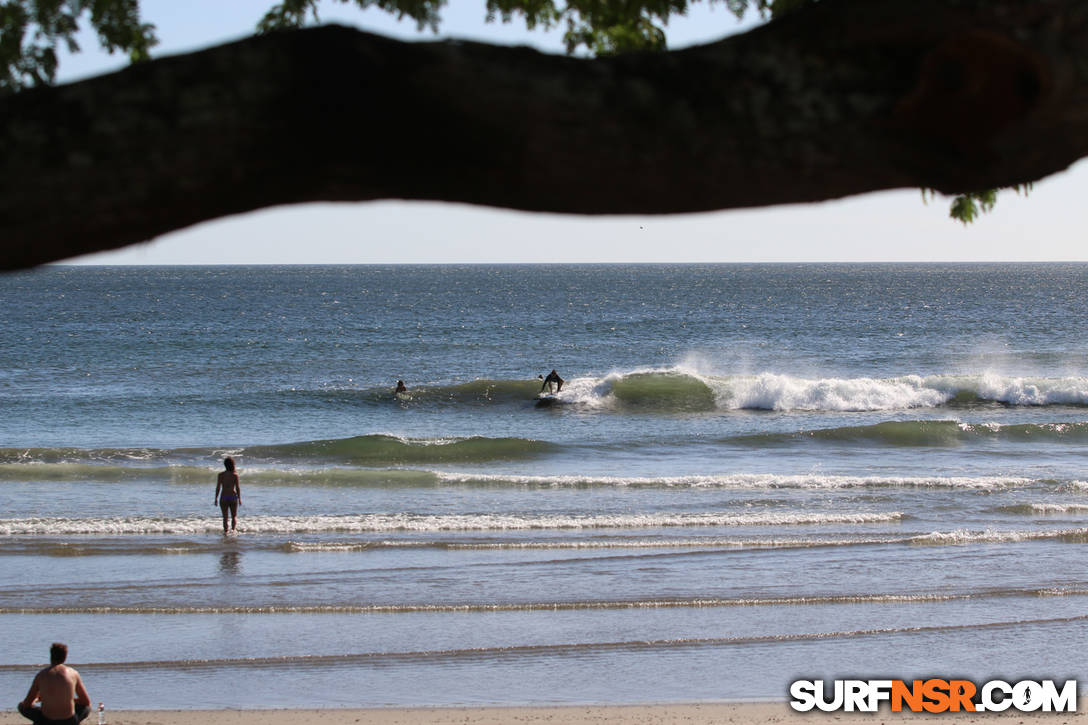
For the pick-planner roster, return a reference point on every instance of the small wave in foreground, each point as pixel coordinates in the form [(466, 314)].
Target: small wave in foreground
[(379, 523), (559, 606), (934, 433), (370, 450)]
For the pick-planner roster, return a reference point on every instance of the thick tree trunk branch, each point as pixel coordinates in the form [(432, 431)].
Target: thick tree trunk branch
[(849, 96)]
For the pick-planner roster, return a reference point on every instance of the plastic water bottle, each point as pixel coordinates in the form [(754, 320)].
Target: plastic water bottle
[(101, 714)]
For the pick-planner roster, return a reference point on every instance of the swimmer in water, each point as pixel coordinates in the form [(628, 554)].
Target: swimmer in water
[(228, 494)]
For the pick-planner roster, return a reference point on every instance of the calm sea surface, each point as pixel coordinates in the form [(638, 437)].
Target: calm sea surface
[(753, 474)]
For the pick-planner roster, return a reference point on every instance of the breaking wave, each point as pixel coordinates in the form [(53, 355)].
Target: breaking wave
[(1074, 536), (682, 389), (422, 523), (1044, 509), (686, 389), (743, 481)]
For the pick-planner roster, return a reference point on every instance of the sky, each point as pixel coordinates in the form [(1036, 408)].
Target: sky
[(882, 227)]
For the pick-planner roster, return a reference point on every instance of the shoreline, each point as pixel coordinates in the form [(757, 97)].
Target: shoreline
[(653, 714)]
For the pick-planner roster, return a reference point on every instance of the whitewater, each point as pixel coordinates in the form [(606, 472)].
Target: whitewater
[(752, 474)]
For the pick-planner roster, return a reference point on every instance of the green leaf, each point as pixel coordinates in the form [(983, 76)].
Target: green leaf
[(31, 30)]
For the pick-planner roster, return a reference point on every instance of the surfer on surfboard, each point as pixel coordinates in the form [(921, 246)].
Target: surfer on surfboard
[(552, 379)]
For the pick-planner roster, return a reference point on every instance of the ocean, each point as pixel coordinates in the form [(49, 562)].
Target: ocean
[(753, 474)]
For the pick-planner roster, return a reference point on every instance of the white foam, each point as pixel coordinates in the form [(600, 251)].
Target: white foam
[(782, 392), (312, 547), (602, 543), (769, 391), (963, 536), (1059, 508), (745, 481), (377, 523), (1016, 390)]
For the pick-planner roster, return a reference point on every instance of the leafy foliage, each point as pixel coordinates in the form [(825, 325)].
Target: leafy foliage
[(293, 13), (967, 207), (597, 27), (32, 30), (601, 28)]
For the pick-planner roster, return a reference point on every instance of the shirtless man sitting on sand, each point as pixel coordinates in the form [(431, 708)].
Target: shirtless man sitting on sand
[(64, 700)]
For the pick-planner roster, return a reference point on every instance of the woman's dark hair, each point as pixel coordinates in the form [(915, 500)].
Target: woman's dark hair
[(228, 463)]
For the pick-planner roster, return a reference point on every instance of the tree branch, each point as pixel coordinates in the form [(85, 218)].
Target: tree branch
[(846, 97)]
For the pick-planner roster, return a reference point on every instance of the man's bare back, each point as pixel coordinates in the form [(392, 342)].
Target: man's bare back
[(59, 687), (62, 695)]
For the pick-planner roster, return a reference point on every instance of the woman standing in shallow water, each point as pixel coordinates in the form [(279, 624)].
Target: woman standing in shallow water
[(228, 494)]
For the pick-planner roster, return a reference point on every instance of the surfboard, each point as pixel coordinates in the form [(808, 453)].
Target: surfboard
[(546, 399)]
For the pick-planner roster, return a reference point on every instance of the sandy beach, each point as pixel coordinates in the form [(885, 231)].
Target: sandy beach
[(692, 714)]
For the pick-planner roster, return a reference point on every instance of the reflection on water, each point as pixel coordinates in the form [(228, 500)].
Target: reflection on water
[(229, 562)]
